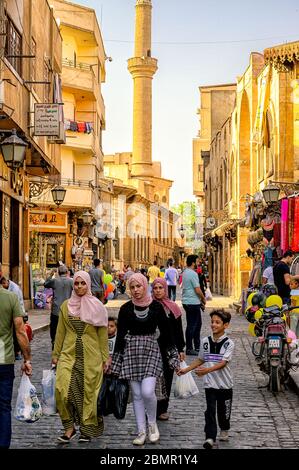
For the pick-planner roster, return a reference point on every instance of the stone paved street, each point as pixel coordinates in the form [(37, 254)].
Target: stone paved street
[(259, 419)]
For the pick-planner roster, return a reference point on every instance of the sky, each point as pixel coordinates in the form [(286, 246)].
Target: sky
[(196, 43)]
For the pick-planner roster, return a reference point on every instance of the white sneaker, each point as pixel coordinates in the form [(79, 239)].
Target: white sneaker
[(140, 439), (208, 444), (223, 436), (153, 433)]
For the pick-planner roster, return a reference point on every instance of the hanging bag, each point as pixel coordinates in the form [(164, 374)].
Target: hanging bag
[(48, 392), (185, 385), (208, 294), (113, 397), (28, 407)]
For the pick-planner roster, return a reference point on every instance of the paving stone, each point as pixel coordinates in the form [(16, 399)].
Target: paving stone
[(256, 412)]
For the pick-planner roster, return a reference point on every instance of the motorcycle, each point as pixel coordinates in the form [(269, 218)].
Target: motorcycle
[(272, 347)]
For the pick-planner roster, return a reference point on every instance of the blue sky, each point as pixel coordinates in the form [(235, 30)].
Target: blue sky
[(228, 32)]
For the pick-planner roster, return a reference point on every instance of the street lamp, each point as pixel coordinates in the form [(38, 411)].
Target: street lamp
[(182, 231), (87, 217), (13, 150), (271, 193), (58, 195)]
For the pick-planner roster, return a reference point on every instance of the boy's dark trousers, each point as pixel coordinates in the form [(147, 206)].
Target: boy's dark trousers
[(220, 399)]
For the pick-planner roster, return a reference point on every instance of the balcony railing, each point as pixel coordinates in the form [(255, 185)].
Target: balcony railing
[(76, 65)]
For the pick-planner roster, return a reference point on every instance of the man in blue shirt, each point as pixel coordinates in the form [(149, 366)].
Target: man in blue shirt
[(192, 298), (171, 277)]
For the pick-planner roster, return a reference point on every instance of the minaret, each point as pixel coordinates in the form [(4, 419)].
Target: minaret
[(142, 68)]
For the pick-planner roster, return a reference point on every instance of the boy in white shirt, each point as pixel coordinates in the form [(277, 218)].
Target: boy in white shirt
[(216, 353)]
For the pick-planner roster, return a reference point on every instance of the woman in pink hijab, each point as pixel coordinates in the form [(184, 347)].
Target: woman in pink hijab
[(137, 355), (81, 356), (174, 315)]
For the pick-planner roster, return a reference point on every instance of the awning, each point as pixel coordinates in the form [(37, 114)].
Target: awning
[(221, 229)]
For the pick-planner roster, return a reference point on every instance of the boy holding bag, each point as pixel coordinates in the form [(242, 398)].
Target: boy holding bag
[(216, 353)]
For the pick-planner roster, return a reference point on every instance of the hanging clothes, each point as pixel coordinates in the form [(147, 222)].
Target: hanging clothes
[(67, 125), (88, 127), (291, 217), (73, 126), (284, 235), (81, 126), (295, 238), (268, 257), (277, 234)]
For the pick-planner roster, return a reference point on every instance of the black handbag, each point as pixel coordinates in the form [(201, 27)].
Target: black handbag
[(113, 397)]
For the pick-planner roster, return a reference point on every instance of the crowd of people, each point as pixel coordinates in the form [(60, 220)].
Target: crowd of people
[(144, 346)]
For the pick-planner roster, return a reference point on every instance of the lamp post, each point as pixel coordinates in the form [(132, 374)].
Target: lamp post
[(58, 195), (182, 231), (87, 217), (13, 150), (271, 193)]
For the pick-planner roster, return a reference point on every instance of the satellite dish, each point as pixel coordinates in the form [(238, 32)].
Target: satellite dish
[(210, 222)]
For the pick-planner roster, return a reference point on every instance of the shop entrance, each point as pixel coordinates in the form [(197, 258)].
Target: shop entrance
[(14, 249)]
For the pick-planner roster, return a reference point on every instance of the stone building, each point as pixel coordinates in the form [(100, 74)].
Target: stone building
[(76, 233), (30, 52), (263, 147)]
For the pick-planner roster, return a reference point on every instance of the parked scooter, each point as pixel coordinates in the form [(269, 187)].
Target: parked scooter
[(272, 346)]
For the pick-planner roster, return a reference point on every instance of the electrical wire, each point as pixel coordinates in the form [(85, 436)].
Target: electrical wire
[(205, 43)]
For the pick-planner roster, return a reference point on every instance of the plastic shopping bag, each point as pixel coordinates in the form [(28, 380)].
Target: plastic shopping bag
[(185, 385), (28, 407), (113, 397), (48, 390), (208, 294)]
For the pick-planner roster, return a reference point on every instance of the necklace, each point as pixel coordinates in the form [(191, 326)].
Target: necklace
[(141, 314)]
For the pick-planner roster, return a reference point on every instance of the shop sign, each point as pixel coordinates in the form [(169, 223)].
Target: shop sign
[(46, 119), (48, 220)]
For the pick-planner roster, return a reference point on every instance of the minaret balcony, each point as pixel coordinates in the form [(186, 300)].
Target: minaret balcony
[(142, 66)]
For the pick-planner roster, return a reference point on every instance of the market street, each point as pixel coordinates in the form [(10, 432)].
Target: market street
[(259, 419)]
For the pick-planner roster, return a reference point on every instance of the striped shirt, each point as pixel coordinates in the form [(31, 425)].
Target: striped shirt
[(213, 352)]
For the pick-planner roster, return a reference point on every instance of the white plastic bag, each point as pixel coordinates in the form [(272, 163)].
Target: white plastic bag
[(208, 294), (28, 407), (48, 390), (185, 385)]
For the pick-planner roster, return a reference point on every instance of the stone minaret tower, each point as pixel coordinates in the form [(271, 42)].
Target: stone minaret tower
[(142, 68)]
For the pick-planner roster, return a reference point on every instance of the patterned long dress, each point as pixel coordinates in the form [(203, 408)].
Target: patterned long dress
[(81, 350)]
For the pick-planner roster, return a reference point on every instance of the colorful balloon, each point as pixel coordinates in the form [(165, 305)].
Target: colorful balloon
[(274, 300), (258, 314), (110, 288), (249, 299), (107, 278), (251, 329)]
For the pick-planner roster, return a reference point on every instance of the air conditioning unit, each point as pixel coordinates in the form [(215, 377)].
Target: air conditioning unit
[(210, 222)]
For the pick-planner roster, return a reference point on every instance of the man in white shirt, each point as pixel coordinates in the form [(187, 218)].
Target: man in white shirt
[(268, 277)]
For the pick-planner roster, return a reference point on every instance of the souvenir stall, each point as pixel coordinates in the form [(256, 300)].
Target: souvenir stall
[(274, 228)]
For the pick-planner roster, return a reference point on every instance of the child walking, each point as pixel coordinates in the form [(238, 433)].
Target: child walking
[(216, 353)]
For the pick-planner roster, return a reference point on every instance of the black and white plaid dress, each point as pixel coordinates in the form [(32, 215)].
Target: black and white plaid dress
[(137, 353)]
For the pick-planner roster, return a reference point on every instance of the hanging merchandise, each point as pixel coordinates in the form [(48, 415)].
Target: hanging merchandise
[(268, 231), (295, 238), (291, 215), (284, 225)]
